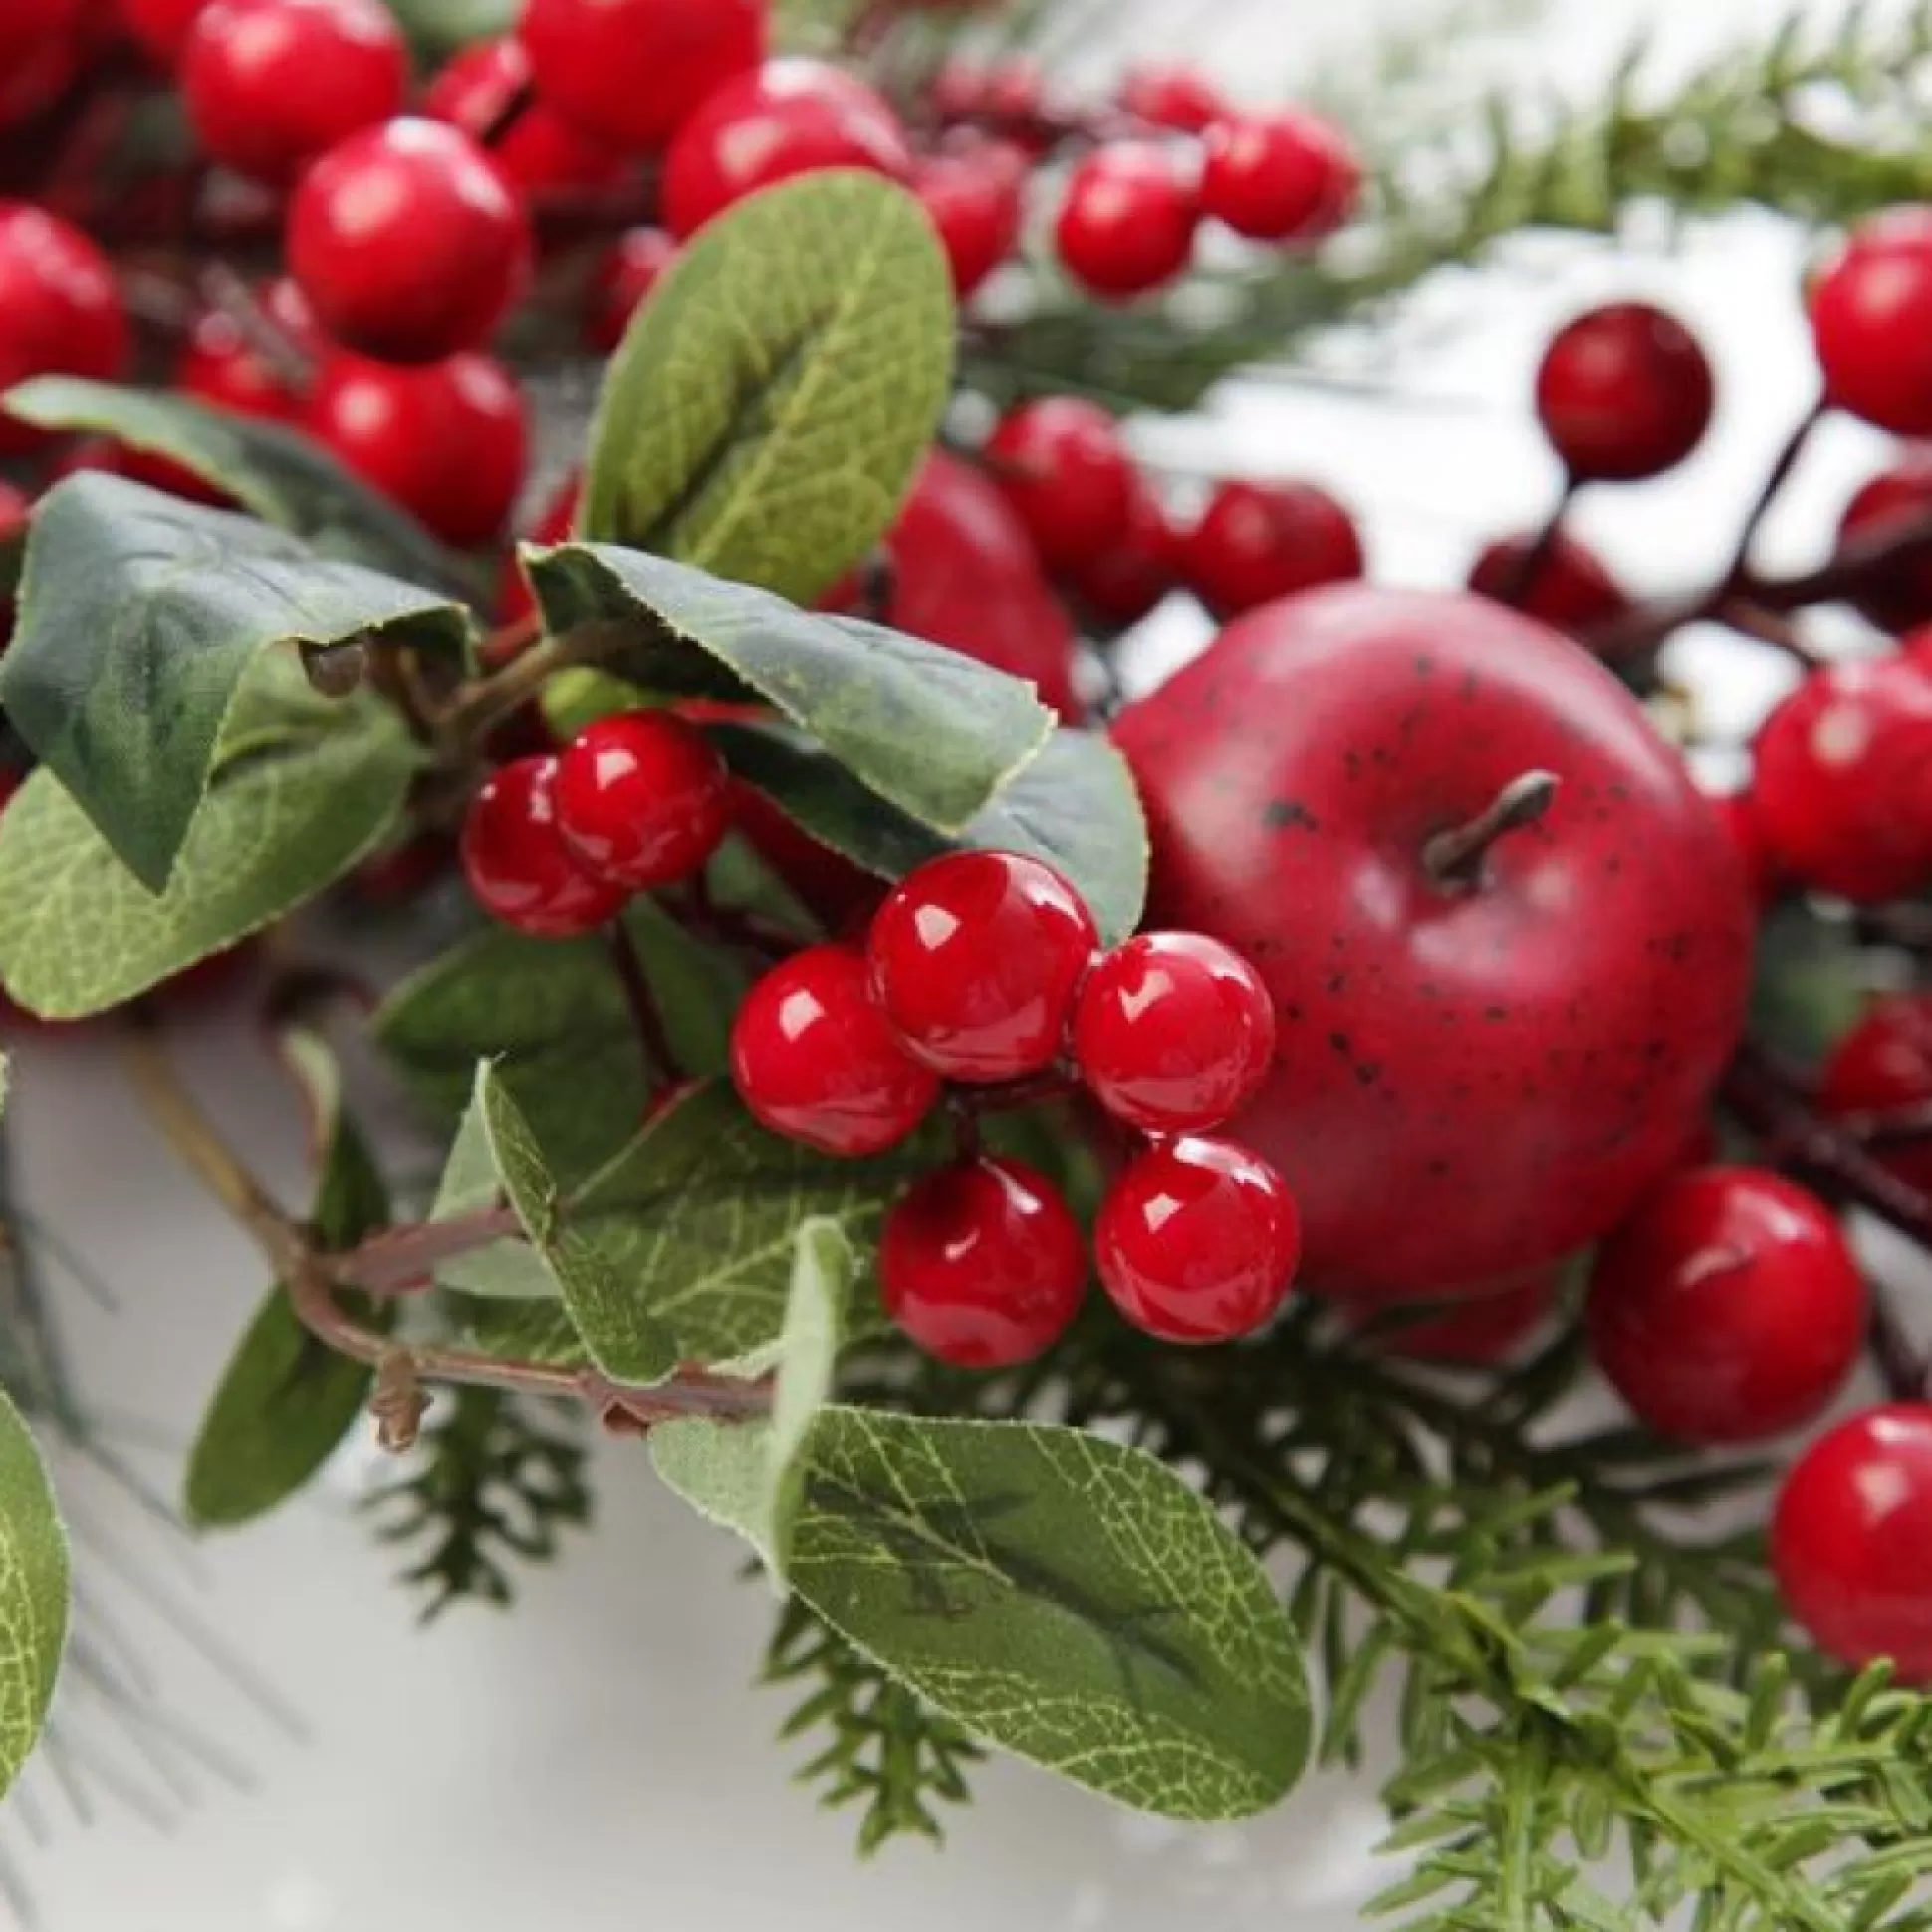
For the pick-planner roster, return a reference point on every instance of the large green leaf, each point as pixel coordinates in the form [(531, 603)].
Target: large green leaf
[(285, 1401), (770, 404), (287, 479), (301, 790), (1074, 805), (33, 1592), (1058, 1595), (932, 731), (141, 615)]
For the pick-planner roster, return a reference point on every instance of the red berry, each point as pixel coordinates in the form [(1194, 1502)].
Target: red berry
[(161, 25), (447, 442), (1851, 1540), (1009, 92), (1882, 1065), (633, 266), (1257, 542), (1284, 177), (113, 457), (1127, 223), (790, 118), (269, 84), (516, 860), (630, 72), (1729, 1308), (976, 960), (1625, 392), (1739, 817), (1173, 1033), (408, 241), (1197, 1242), (541, 152), (982, 1265), (552, 526), (1872, 321), (60, 311), (221, 365), (1897, 596), (814, 1059), (1843, 782), (1174, 98), (975, 200), (41, 50), (1062, 464), (1570, 588), (1121, 583), (1480, 1326), (642, 798)]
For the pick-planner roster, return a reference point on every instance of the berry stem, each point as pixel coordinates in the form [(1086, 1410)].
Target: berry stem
[(1523, 581), (1454, 858), (522, 99), (660, 1063), (1783, 464)]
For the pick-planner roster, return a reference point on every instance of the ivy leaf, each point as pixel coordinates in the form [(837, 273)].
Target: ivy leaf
[(1074, 805), (33, 1592), (301, 791), (139, 618), (287, 479), (933, 732), (766, 408), (285, 1401), (623, 1332), (750, 1476)]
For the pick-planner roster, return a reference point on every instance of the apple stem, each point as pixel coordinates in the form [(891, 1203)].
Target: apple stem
[(1454, 858)]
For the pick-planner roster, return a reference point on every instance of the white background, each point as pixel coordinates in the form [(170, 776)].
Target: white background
[(599, 1759)]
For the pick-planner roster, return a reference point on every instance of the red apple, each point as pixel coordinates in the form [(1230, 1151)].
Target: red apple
[(1482, 1068)]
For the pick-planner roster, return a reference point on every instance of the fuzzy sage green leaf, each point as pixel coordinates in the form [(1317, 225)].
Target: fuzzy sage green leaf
[(766, 412), (141, 615), (33, 1592), (931, 731)]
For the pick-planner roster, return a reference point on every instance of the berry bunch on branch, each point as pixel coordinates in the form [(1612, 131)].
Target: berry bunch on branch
[(1017, 1152)]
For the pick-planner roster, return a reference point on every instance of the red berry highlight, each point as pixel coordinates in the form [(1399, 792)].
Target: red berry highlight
[(517, 864), (1127, 223), (1872, 321), (1625, 392), (1061, 465), (642, 800), (1286, 176)]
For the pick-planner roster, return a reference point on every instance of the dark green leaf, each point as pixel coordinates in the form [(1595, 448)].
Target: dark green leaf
[(33, 1592), (440, 27), (301, 791), (933, 732), (139, 618), (286, 479), (765, 414), (1074, 805)]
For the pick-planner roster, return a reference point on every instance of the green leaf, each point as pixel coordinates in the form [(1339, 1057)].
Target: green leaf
[(750, 1476), (1074, 805), (139, 618), (301, 790), (623, 1332), (285, 478), (439, 27), (933, 732), (509, 1270), (577, 696), (33, 1592), (285, 1401), (521, 1330), (768, 407)]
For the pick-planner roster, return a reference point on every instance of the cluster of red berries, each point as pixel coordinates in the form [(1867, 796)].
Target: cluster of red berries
[(983, 970)]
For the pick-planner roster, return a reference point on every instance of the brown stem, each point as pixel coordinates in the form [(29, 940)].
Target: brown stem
[(396, 1260), (660, 1062), (1899, 1126), (1739, 570), (480, 707), (1523, 580), (1454, 858)]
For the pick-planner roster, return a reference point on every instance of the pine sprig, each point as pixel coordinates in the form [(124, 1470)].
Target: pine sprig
[(497, 1484), (885, 1751)]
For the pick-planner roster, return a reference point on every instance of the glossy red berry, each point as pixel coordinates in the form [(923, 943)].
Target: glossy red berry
[(1284, 177), (1570, 588), (976, 201), (982, 1265), (161, 25), (1884, 1065), (222, 366), (1843, 779), (1127, 225), (540, 151), (1256, 542), (1061, 465), (1899, 595), (1729, 1308), (271, 83), (976, 959), (630, 72), (642, 798), (1177, 99), (1851, 1540), (1173, 1033), (1197, 1241), (448, 442), (1872, 321), (1625, 392), (60, 309), (1121, 583), (408, 241), (814, 1059), (517, 864), (632, 268)]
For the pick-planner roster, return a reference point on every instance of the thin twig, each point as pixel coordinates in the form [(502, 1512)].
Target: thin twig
[(660, 1060)]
